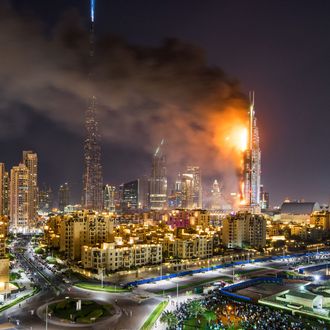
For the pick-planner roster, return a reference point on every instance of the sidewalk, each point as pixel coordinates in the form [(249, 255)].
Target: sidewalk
[(18, 297)]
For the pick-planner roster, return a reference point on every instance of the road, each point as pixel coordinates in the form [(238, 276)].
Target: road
[(131, 309), (130, 312)]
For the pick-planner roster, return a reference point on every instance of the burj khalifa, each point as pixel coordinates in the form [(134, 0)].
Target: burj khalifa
[(92, 179)]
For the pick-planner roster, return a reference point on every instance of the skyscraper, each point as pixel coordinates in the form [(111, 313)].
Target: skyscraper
[(20, 197), (187, 190), (92, 179), (158, 180), (45, 199), (4, 190), (130, 196), (109, 198), (63, 196), (264, 198), (197, 186), (30, 160), (175, 198), (252, 162), (4, 261), (216, 196)]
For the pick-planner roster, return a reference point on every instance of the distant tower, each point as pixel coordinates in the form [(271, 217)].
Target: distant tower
[(21, 194), (197, 182), (158, 180), (4, 190), (63, 196), (30, 160), (92, 179), (45, 199), (109, 198), (216, 196), (252, 161)]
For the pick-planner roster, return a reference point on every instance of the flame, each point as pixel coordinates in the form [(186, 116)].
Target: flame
[(231, 133), (242, 194), (238, 138), (231, 139)]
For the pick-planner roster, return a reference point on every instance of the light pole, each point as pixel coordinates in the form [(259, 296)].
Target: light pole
[(102, 276), (177, 293), (47, 316)]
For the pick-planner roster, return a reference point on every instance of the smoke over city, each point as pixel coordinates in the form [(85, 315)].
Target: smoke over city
[(143, 93)]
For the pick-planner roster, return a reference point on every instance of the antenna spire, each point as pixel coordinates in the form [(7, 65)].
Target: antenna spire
[(93, 10)]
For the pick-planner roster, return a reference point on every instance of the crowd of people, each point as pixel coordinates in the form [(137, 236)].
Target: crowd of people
[(245, 315)]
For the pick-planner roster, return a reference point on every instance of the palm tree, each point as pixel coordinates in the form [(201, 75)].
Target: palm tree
[(195, 308), (170, 319), (209, 316)]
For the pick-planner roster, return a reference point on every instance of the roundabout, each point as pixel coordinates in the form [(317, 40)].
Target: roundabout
[(77, 312)]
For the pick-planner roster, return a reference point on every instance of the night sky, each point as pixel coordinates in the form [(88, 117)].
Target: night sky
[(279, 49)]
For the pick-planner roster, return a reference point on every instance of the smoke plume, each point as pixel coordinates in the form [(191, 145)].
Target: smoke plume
[(143, 93)]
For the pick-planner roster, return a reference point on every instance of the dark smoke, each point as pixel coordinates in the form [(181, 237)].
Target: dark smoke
[(143, 93)]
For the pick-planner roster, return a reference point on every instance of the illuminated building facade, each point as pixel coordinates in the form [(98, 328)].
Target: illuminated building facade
[(252, 162), (197, 191), (130, 193), (264, 199), (109, 198), (30, 159), (244, 228), (113, 257), (83, 228), (187, 190), (158, 180), (4, 261), (92, 198), (216, 196), (4, 190), (175, 198), (320, 219), (20, 197)]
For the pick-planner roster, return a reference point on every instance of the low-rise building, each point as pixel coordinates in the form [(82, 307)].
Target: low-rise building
[(244, 228), (189, 247), (82, 228), (112, 257), (320, 219), (298, 212)]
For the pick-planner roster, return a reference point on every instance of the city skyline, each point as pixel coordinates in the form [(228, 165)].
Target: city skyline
[(273, 112), (152, 190)]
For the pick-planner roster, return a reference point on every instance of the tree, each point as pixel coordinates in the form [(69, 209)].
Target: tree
[(209, 316), (170, 319), (195, 308)]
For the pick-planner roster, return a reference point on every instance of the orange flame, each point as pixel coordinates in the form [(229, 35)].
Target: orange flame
[(231, 133), (231, 138)]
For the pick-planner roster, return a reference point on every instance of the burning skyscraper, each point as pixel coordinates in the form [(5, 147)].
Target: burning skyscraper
[(250, 189)]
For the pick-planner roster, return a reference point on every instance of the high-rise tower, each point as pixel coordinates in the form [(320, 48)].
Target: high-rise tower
[(197, 181), (158, 180), (63, 196), (252, 161), (30, 160), (21, 194), (92, 179)]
